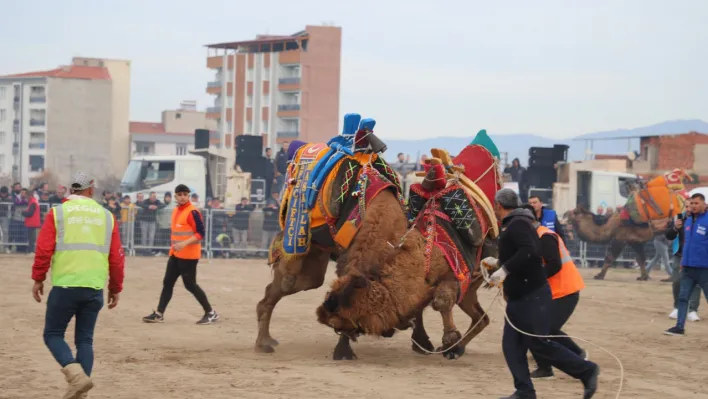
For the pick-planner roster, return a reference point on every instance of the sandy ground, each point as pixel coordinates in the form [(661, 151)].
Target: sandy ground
[(179, 359)]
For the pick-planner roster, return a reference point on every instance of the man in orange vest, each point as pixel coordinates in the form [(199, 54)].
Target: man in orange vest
[(187, 234), (565, 282)]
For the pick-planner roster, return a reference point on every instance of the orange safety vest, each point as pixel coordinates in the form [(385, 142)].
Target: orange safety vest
[(181, 231), (568, 280)]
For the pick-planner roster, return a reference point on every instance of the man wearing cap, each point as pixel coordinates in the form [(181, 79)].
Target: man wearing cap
[(520, 269), (80, 242), (187, 234)]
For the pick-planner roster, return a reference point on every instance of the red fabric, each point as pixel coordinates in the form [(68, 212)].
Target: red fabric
[(33, 221), (46, 244), (440, 176), (624, 214), (480, 168), (63, 200)]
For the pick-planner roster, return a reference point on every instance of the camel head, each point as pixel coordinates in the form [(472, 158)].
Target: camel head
[(359, 304)]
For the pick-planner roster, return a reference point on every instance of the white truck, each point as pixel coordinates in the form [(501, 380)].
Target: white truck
[(591, 185), (208, 173)]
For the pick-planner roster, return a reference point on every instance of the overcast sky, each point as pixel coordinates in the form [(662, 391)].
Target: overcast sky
[(421, 68)]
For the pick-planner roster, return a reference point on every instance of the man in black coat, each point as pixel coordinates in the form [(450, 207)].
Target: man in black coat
[(520, 269)]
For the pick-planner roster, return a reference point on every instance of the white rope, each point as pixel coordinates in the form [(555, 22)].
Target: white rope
[(485, 275)]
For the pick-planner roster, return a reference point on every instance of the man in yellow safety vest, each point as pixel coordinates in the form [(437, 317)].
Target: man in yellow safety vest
[(80, 242)]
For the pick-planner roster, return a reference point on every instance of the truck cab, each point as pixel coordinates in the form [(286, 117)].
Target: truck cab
[(603, 189), (162, 174)]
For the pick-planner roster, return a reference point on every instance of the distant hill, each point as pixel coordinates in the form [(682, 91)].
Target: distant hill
[(517, 145)]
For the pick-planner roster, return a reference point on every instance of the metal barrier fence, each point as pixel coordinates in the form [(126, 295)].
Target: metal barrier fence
[(229, 234)]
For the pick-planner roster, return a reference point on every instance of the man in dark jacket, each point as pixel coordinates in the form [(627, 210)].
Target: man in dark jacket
[(676, 237), (281, 166), (147, 215), (515, 170), (269, 172), (239, 226), (529, 301)]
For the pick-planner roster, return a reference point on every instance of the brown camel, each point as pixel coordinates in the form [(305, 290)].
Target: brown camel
[(376, 296), (617, 233)]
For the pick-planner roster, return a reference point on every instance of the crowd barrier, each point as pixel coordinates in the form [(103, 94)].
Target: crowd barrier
[(226, 238)]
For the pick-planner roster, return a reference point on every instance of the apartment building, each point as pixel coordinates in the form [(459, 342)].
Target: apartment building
[(56, 120), (280, 87), (173, 135)]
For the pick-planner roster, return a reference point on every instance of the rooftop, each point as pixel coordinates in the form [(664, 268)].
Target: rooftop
[(290, 42), (67, 72)]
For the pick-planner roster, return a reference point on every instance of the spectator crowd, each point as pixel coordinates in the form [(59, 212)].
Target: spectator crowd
[(144, 223)]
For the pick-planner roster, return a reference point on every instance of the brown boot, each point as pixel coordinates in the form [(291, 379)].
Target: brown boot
[(79, 382)]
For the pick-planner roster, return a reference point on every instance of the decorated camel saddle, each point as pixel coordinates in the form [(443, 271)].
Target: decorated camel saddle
[(660, 199), (328, 186), (454, 206)]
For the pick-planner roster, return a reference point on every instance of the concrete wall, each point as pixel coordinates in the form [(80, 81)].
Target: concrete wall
[(186, 121), (80, 127), (120, 131)]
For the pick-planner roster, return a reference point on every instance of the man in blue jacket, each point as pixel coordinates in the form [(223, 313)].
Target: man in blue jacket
[(547, 217), (694, 264)]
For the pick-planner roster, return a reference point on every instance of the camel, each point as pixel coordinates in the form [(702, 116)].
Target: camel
[(617, 233), (377, 296)]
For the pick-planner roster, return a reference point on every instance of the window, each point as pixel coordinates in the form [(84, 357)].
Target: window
[(178, 116), (266, 100), (2, 162), (3, 93), (229, 101), (3, 115), (230, 75), (249, 101), (265, 126), (36, 163), (2, 138), (181, 149), (266, 73), (229, 127), (249, 75), (36, 140), (144, 147), (249, 126)]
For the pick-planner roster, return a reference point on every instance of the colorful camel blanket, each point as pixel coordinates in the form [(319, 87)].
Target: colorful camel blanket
[(660, 199), (322, 181)]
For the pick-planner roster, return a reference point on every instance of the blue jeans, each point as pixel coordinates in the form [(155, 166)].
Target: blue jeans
[(62, 305), (690, 277), (661, 246)]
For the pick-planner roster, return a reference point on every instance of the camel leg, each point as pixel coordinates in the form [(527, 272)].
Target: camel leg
[(343, 350), (470, 305), (641, 258), (420, 336), (310, 277), (613, 252), (443, 301)]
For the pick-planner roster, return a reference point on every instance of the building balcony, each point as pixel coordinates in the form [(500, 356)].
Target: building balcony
[(16, 99), (16, 126), (37, 122), (288, 81), (215, 62), (38, 99), (216, 83), (287, 134), (213, 110), (289, 107), (36, 146), (214, 87)]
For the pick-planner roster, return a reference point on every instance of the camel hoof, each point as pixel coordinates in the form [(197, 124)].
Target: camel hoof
[(344, 352), (262, 348), (287, 283), (270, 342), (599, 277), (643, 278), (427, 346), (453, 353)]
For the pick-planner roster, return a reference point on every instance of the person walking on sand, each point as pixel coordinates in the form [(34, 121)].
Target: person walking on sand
[(187, 234), (80, 242)]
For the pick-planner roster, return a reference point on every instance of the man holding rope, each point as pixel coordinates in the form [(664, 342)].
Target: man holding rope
[(529, 302)]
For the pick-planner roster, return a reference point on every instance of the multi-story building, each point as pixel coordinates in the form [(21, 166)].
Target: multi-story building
[(63, 120), (174, 135), (280, 87)]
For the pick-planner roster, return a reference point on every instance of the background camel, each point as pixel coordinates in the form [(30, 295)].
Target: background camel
[(617, 234)]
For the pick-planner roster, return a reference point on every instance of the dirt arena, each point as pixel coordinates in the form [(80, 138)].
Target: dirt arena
[(179, 359)]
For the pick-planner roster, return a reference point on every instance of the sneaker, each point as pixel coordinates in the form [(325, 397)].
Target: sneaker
[(584, 354), (542, 374), (693, 316), (209, 318), (154, 318), (675, 332), (673, 314), (590, 383), (667, 280)]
